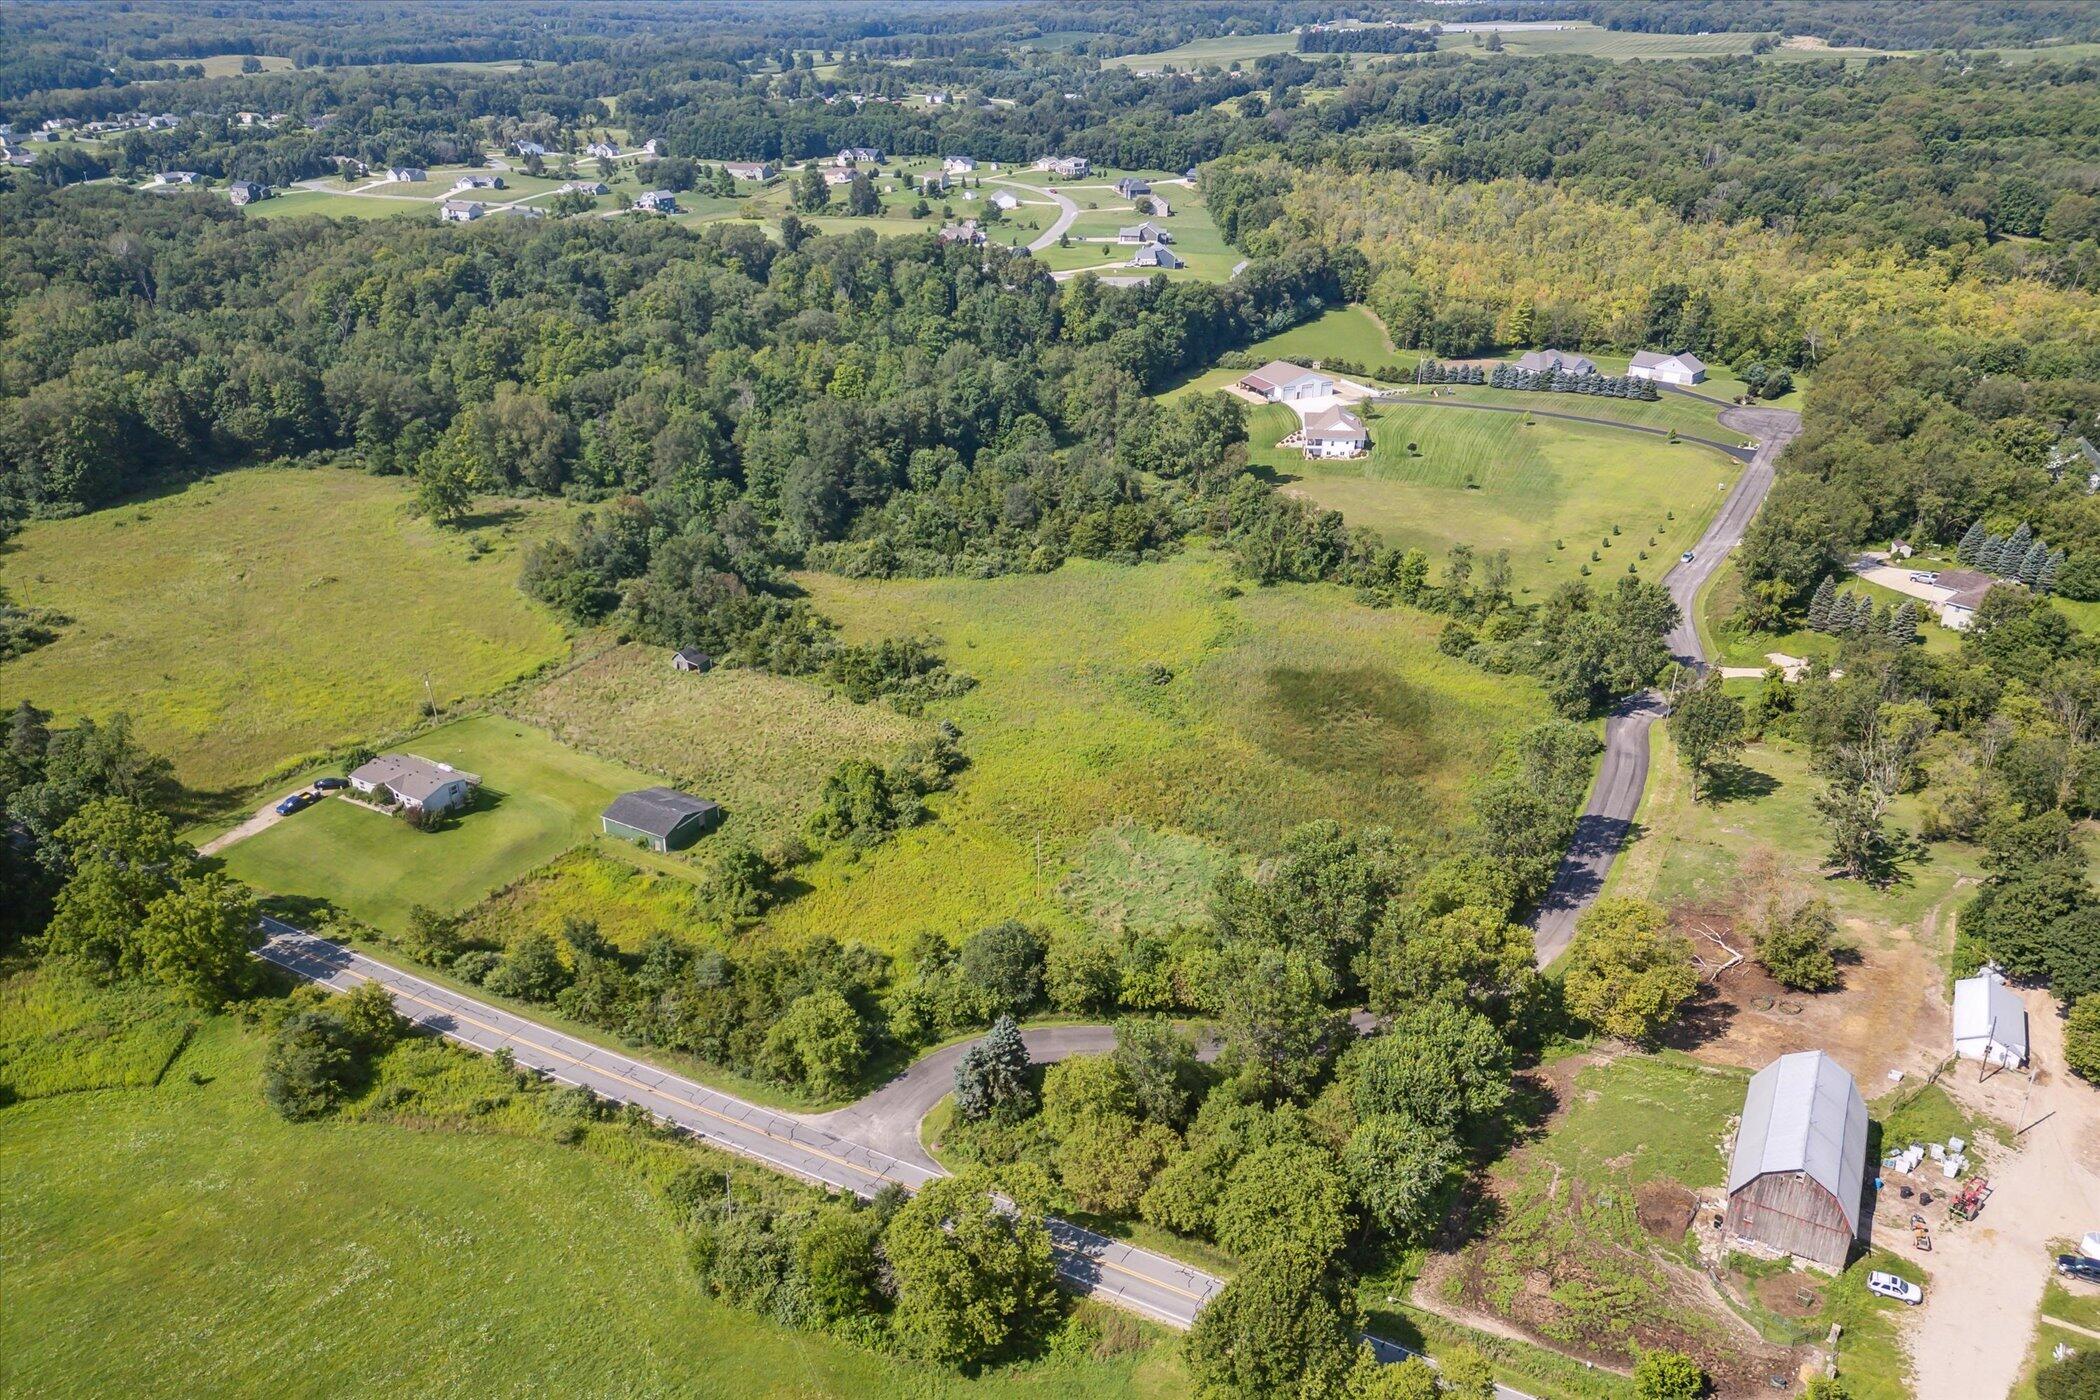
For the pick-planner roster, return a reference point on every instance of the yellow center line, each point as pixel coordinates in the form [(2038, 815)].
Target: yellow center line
[(734, 1122)]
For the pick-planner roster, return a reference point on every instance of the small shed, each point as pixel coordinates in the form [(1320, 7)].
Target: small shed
[(1798, 1176), (663, 818), (691, 659), (1990, 1020)]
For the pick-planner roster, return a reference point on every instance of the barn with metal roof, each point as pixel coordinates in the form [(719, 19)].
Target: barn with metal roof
[(1797, 1179)]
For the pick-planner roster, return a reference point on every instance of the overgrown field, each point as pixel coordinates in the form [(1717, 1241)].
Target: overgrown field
[(760, 745), (538, 799), (1157, 696), (267, 613), (1549, 492), (59, 1035), (470, 1255)]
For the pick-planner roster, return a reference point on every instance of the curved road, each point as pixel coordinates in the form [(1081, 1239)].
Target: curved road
[(1066, 212), (1607, 820)]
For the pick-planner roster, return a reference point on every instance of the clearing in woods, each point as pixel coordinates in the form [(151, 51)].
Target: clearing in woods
[(1156, 695), (270, 612)]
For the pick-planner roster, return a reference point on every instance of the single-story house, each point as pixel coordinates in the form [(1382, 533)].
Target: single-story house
[(662, 818), (406, 174), (1067, 167), (854, 155), (478, 182), (175, 177), (1156, 255), (246, 191), (1335, 432), (417, 783), (1990, 1020), (839, 175), (1798, 1177), (1146, 232), (1539, 361), (1004, 201), (1280, 381), (529, 148), (749, 169), (660, 201), (460, 211), (691, 659), (964, 232), (585, 187), (652, 147), (1160, 206), (1684, 368), (937, 99), (958, 165), (1965, 590), (1130, 187), (604, 150)]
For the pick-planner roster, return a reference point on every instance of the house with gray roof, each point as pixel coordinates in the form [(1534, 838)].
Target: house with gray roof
[(1681, 368), (1145, 232), (416, 783), (1561, 361), (1156, 255), (664, 819), (1280, 381), (1797, 1179), (1334, 431)]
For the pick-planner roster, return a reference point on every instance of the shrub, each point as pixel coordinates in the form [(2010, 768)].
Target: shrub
[(2082, 1037), (1626, 973), (308, 1066), (820, 1043), (1795, 946), (1668, 1375), (1003, 964), (992, 1075)]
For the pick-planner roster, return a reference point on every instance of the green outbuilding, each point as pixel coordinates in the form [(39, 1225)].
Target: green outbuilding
[(662, 818)]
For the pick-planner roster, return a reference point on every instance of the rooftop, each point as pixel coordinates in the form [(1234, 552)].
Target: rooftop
[(410, 776), (1803, 1113), (657, 810)]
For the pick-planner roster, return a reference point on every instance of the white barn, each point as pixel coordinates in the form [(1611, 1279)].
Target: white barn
[(1686, 368), (1990, 1020), (1280, 381)]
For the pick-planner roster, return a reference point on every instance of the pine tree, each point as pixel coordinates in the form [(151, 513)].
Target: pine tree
[(1903, 624), (1971, 542), (2014, 551), (1820, 605), (1987, 553), (1867, 621), (1840, 617), (2046, 581), (2031, 566)]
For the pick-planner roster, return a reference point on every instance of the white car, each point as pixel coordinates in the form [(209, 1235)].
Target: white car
[(1924, 576), (1685, 558), (1889, 1286)]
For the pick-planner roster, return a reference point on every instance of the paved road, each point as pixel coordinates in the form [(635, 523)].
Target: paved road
[(1066, 212), (1161, 1288), (1608, 818)]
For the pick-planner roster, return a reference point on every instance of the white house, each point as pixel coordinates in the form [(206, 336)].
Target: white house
[(1280, 381), (1003, 201), (175, 177), (1067, 167), (406, 174), (1685, 368), (958, 165), (604, 150), (460, 211), (417, 783), (660, 201), (749, 169), (1990, 1021), (1335, 432), (1146, 232), (1539, 361), (1156, 255), (478, 182), (529, 148)]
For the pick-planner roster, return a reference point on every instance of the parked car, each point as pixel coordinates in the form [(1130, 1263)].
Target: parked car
[(330, 784), (1685, 558), (1924, 576), (1889, 1286), (293, 803), (2078, 1266)]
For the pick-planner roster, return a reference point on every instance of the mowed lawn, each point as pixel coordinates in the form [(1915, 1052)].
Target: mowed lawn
[(1150, 695), (1338, 333), (1194, 237), (1491, 481), (538, 799), (264, 614), (186, 1240), (760, 745)]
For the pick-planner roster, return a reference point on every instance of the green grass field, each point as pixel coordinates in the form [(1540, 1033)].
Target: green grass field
[(1340, 332), (1196, 238), (1592, 41), (1647, 1117), (760, 745), (1488, 480), (1277, 707), (352, 1256), (234, 619), (538, 799), (227, 65), (1223, 51), (61, 1035)]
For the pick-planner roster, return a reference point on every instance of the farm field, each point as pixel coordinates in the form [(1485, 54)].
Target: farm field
[(227, 65), (538, 799), (363, 1255), (1223, 51), (1340, 332), (1487, 480), (760, 745), (233, 618), (1149, 696), (1593, 41)]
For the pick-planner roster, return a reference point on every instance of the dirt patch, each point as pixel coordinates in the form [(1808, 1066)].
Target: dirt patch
[(1888, 1015), (1665, 1209), (1789, 1294)]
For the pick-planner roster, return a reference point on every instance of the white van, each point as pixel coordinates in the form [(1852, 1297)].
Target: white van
[(1889, 1286)]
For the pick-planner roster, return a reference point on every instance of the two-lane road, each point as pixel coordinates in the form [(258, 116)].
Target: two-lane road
[(1608, 818)]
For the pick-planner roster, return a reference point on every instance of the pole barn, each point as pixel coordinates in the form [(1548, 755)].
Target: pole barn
[(1797, 1178)]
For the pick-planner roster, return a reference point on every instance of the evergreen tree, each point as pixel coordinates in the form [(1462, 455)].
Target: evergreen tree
[(2031, 566), (1841, 614), (1819, 606), (2013, 552), (1903, 624), (2045, 581), (1971, 542), (993, 1074), (1867, 621), (1987, 553)]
